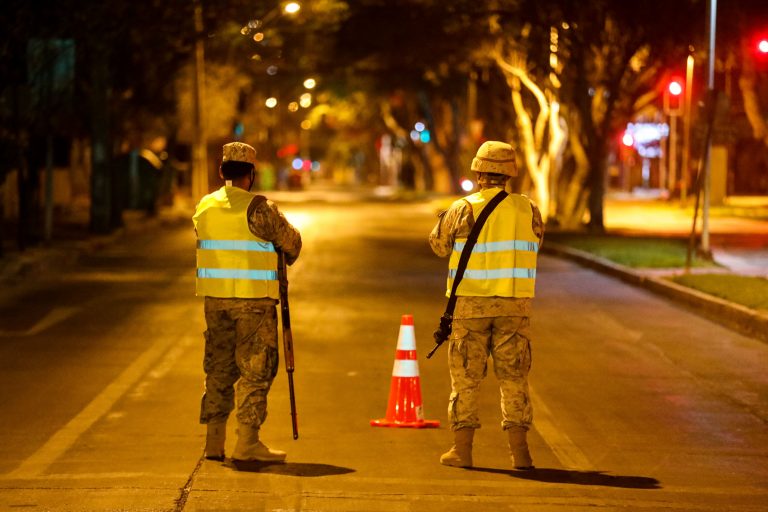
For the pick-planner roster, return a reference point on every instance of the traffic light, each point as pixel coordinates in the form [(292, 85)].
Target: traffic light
[(673, 97), (759, 46), (627, 139)]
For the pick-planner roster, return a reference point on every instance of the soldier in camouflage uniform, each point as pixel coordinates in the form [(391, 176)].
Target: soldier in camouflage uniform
[(492, 314), (238, 234)]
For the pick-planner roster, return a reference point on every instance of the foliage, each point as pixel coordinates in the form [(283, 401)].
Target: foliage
[(397, 61), (601, 62), (416, 69)]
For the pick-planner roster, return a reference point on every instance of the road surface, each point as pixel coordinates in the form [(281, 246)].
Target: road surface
[(639, 404)]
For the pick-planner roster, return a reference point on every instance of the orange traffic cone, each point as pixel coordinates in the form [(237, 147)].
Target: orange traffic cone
[(405, 408)]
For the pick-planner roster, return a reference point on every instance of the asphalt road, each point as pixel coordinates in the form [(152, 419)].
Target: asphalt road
[(638, 403)]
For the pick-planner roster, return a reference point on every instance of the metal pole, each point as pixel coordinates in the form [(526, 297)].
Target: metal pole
[(684, 171), (663, 162), (672, 152), (712, 25), (199, 139)]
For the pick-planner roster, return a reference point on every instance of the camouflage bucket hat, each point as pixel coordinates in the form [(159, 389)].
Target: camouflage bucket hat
[(497, 157), (239, 152)]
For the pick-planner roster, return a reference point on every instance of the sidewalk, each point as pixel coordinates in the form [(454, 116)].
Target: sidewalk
[(734, 316), (738, 242), (71, 239), (738, 230)]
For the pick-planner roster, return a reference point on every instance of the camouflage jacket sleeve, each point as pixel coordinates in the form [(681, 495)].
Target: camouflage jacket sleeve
[(268, 223), (538, 224), (455, 222)]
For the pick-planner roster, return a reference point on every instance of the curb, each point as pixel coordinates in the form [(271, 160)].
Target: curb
[(734, 316)]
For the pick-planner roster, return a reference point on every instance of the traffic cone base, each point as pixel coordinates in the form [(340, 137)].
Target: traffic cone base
[(405, 408)]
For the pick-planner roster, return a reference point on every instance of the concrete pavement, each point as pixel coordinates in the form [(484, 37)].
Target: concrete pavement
[(738, 232), (639, 404)]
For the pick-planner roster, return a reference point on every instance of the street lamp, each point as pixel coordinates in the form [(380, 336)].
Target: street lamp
[(259, 23), (291, 7)]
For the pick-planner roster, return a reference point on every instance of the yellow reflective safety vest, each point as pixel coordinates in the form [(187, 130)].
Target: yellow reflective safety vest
[(231, 261), (503, 261)]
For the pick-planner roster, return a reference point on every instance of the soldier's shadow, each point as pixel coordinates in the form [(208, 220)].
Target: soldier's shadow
[(566, 476), (303, 469)]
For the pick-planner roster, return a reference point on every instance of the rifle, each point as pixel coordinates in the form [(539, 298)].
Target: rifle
[(285, 315)]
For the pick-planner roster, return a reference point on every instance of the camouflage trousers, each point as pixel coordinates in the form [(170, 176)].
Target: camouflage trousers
[(241, 359), (507, 340)]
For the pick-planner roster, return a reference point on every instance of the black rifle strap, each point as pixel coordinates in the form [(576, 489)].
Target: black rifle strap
[(468, 246)]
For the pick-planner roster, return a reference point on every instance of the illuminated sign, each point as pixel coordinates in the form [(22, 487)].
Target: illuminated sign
[(647, 137)]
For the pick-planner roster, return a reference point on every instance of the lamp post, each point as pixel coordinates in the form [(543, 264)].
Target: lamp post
[(686, 130), (712, 26)]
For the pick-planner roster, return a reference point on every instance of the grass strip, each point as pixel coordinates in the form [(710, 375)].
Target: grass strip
[(751, 292), (656, 252), (634, 252)]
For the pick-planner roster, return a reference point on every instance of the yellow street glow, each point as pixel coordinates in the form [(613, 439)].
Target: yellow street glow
[(300, 220), (292, 7), (271, 102)]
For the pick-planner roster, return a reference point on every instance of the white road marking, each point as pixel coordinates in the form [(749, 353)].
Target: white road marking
[(65, 437), (53, 317), (569, 455)]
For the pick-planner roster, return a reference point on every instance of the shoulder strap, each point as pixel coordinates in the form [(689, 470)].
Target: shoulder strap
[(469, 245)]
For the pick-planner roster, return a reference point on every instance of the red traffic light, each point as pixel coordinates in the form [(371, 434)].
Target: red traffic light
[(673, 97), (762, 46), (675, 88)]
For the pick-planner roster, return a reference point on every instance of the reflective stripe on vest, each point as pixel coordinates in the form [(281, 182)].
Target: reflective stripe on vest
[(511, 245), (229, 273), (501, 273), (231, 261), (236, 245), (503, 261)]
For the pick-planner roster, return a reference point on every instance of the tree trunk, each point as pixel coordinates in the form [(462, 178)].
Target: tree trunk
[(572, 202), (442, 150), (596, 156)]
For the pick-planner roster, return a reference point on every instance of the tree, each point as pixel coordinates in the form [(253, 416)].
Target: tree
[(597, 63), (543, 140), (418, 66), (616, 53)]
